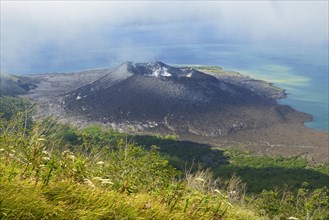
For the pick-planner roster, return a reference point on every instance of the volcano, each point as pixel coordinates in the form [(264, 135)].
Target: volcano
[(175, 99), (202, 104)]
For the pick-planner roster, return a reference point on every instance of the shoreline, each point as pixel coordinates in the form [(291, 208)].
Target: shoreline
[(215, 70)]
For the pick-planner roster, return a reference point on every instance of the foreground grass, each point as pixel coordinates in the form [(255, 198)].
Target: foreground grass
[(65, 200), (39, 180)]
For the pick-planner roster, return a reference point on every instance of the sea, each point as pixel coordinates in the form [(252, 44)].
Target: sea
[(302, 71)]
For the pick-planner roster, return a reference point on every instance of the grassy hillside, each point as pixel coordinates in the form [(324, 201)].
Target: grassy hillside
[(91, 181), (53, 171), (9, 85)]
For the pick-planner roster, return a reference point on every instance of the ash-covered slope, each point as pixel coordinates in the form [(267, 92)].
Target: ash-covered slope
[(165, 98)]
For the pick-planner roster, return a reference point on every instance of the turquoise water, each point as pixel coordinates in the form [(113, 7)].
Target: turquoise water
[(302, 71), (304, 75)]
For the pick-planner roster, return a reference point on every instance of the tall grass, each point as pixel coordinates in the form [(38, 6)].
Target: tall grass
[(41, 181)]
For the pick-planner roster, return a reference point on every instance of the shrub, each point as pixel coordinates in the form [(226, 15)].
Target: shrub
[(305, 204)]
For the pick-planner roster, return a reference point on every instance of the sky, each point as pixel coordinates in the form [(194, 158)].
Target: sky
[(37, 34)]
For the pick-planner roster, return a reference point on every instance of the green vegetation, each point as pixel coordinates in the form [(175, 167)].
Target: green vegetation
[(271, 173), (9, 106), (182, 154), (54, 171), (210, 68), (218, 71)]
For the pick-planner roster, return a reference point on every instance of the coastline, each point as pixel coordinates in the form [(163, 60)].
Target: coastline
[(281, 95)]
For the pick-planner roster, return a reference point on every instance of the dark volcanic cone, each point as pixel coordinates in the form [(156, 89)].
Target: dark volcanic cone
[(182, 100)]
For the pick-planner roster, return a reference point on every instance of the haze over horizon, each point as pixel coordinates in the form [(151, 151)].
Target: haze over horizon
[(35, 34)]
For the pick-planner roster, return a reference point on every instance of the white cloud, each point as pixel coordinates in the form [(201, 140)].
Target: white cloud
[(68, 29)]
